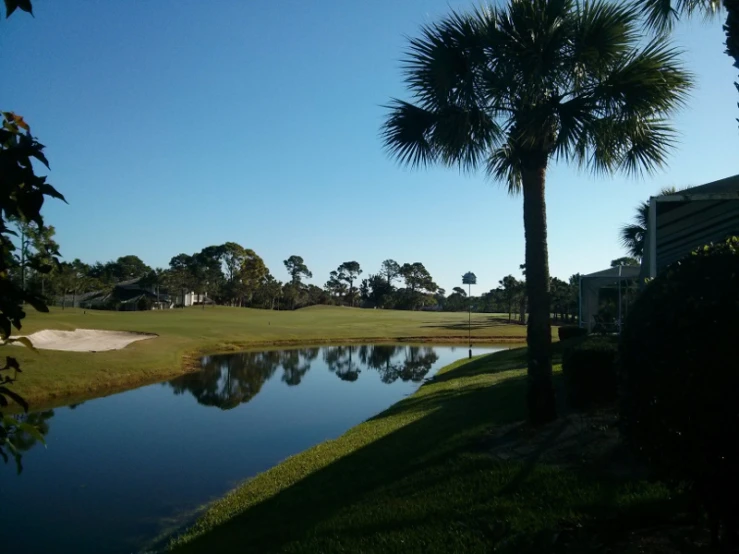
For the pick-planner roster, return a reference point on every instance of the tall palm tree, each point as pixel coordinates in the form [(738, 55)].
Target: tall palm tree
[(661, 14), (634, 234), (514, 88)]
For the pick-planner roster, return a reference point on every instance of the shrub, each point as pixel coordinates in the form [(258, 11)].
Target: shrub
[(589, 367), (570, 332), (680, 378)]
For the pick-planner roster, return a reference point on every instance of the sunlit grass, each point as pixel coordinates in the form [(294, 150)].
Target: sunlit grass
[(415, 478), (51, 377)]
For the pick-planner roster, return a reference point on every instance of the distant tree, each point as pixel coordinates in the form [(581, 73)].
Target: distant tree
[(511, 289), (297, 269), (634, 234), (349, 272), (42, 256), (251, 275), (335, 286), (376, 291), (419, 284), (391, 270), (129, 267), (626, 261), (417, 277)]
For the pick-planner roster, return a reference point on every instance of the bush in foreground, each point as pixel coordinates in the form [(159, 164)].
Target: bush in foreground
[(589, 367), (567, 332), (681, 378)]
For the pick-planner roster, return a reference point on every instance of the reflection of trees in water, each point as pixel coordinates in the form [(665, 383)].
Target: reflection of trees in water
[(380, 358), (296, 363), (341, 360), (383, 358), (418, 362), (227, 381)]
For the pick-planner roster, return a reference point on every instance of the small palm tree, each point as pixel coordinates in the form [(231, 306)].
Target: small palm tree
[(514, 88), (634, 235)]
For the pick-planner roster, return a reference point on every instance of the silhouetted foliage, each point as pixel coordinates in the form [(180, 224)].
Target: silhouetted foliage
[(589, 367), (567, 332), (679, 406), (22, 195)]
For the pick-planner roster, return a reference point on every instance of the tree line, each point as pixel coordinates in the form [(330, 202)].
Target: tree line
[(232, 275)]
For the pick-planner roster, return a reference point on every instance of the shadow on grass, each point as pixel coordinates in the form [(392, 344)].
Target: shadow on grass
[(476, 324), (421, 486)]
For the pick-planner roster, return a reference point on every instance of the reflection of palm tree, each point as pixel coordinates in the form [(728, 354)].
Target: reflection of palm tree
[(340, 360), (229, 380), (293, 370)]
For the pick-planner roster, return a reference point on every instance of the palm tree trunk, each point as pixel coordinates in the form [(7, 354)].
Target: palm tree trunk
[(540, 395)]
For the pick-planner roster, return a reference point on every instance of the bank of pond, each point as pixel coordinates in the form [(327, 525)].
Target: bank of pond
[(122, 471)]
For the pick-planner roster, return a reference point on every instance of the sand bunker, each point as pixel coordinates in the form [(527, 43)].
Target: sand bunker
[(85, 340)]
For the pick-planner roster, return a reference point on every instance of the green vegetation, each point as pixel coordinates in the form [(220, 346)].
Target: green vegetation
[(51, 377), (419, 477), (680, 380)]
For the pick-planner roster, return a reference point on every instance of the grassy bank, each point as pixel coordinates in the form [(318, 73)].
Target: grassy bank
[(52, 377), (419, 477)]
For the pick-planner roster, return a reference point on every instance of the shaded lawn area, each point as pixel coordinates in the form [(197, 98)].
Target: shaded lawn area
[(418, 478)]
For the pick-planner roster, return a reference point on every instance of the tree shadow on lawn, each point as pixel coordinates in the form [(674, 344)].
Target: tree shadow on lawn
[(424, 486), (476, 324)]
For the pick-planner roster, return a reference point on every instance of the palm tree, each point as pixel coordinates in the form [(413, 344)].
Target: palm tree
[(634, 235), (512, 89), (661, 14)]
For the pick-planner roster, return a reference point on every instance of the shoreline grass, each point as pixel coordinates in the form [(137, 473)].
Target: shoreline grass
[(417, 478), (53, 378)]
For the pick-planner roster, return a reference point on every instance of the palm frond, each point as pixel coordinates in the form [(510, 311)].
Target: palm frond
[(504, 165), (661, 15), (649, 143), (603, 33), (407, 134), (464, 136), (632, 238)]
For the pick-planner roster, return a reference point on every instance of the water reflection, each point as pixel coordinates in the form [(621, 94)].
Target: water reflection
[(21, 440), (113, 477), (227, 380)]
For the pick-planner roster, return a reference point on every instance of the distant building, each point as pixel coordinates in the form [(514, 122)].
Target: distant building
[(133, 295)]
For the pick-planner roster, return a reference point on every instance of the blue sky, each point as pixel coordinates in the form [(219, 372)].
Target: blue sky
[(172, 125)]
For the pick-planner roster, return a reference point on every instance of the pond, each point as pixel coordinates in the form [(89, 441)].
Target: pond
[(121, 470)]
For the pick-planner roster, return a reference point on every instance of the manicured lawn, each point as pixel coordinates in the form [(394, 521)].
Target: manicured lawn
[(418, 478), (52, 377)]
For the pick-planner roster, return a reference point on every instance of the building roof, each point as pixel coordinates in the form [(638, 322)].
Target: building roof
[(689, 219)]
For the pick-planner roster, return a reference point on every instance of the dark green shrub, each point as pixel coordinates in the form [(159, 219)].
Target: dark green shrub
[(680, 378), (589, 367), (570, 332)]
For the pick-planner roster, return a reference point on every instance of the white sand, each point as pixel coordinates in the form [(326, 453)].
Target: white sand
[(84, 340)]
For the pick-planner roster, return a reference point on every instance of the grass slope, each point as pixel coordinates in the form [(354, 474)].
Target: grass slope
[(51, 377), (415, 478)]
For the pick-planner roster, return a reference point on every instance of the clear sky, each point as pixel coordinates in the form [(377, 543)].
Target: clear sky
[(172, 125)]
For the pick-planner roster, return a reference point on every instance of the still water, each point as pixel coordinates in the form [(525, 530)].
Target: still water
[(120, 471)]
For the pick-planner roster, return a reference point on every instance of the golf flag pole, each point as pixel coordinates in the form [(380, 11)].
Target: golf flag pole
[(469, 279)]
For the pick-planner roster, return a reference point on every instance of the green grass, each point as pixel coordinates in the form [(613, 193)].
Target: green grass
[(50, 377), (416, 478)]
